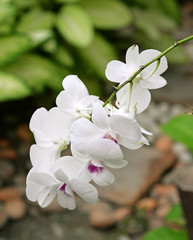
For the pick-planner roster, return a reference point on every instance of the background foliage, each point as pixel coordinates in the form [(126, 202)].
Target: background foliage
[(42, 41)]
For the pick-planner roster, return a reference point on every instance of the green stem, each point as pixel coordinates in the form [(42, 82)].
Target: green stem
[(146, 65)]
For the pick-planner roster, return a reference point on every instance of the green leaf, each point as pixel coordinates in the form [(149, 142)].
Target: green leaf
[(36, 19), (12, 87), (180, 129), (12, 46), (39, 36), (97, 55), (67, 1), (108, 14), (64, 57), (176, 215), (25, 4), (165, 234), (38, 72), (6, 12), (75, 25), (171, 8)]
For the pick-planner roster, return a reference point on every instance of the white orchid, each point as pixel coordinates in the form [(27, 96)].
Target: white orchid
[(51, 129), (75, 99), (149, 78), (65, 179), (100, 139)]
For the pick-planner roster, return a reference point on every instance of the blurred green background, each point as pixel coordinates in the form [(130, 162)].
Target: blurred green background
[(42, 41)]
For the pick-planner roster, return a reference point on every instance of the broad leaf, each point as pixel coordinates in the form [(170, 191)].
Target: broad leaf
[(38, 72), (12, 46), (36, 19), (6, 12), (25, 3), (165, 234), (12, 87), (97, 55), (180, 129), (176, 215), (75, 25), (108, 14), (40, 36), (64, 57)]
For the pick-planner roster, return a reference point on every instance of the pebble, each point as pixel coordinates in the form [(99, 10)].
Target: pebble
[(6, 170), (8, 153), (162, 190), (121, 213), (9, 193), (163, 143), (155, 222), (148, 204), (101, 216), (15, 209), (163, 210), (24, 133)]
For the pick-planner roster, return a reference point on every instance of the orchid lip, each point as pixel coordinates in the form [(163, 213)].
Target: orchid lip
[(108, 136), (94, 169), (63, 188)]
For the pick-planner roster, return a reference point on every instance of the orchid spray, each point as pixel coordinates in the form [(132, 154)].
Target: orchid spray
[(94, 130)]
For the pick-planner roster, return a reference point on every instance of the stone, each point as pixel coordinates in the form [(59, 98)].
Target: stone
[(163, 144), (6, 170), (101, 216), (155, 222), (148, 204), (145, 167), (161, 190), (163, 209), (24, 133), (9, 193), (15, 209), (121, 213), (8, 153)]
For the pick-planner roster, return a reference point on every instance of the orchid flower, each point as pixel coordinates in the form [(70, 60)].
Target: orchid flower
[(63, 181), (149, 78), (100, 138), (75, 99), (51, 129)]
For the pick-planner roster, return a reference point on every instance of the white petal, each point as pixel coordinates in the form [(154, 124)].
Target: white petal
[(153, 82), (124, 141), (117, 71), (105, 150), (148, 55), (123, 96), (75, 87), (99, 117), (42, 178), (65, 200), (65, 102), (132, 58), (125, 127), (37, 119), (84, 190), (69, 167), (141, 96), (46, 196), (103, 178), (32, 189), (145, 131), (117, 165)]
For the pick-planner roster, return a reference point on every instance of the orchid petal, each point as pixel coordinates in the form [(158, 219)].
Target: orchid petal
[(116, 165), (132, 58), (42, 178), (99, 117), (65, 200), (37, 119), (124, 141), (103, 178), (153, 82), (46, 196), (65, 102), (148, 55), (117, 71), (84, 190)]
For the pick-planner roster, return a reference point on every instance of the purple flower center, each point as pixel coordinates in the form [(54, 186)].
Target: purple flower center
[(108, 136), (63, 188), (94, 169)]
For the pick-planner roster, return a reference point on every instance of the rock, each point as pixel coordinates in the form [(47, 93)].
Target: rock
[(149, 204), (24, 133), (8, 153), (121, 213), (9, 194), (101, 216), (6, 170), (15, 209), (3, 217), (162, 190), (163, 144), (145, 167), (163, 209), (156, 222)]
